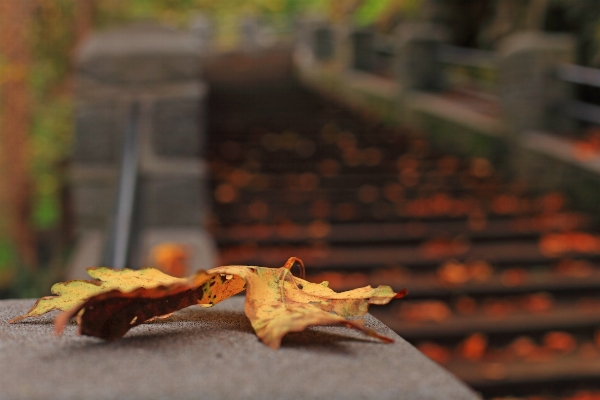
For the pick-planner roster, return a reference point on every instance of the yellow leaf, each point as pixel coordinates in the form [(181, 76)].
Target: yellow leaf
[(109, 315), (278, 303), (72, 293)]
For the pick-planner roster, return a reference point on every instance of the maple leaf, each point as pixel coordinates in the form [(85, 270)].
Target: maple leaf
[(110, 315), (72, 293), (278, 303)]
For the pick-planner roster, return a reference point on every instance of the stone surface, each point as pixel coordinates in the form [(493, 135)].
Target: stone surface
[(171, 129), (323, 43), (98, 133), (93, 190), (416, 56), (530, 92), (549, 162), (203, 28), (363, 50), (141, 54), (177, 127), (212, 354), (171, 200)]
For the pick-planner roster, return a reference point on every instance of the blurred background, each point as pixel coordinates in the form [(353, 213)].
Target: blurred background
[(451, 147)]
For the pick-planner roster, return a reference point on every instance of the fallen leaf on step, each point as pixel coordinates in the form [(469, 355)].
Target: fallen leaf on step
[(72, 293), (278, 303), (112, 314)]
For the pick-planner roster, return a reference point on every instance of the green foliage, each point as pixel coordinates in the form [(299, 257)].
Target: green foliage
[(177, 12), (52, 47), (375, 11), (8, 259), (370, 11), (51, 138)]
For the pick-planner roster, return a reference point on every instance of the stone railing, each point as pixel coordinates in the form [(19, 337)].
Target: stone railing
[(511, 105)]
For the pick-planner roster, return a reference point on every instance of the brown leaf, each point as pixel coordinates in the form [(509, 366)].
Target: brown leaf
[(110, 315), (278, 303), (72, 293)]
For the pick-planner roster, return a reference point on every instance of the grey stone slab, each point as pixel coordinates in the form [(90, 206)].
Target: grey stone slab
[(363, 50), (92, 90), (416, 61), (178, 127), (213, 354), (98, 133), (530, 91), (93, 190), (141, 54), (93, 202), (323, 43), (203, 28), (172, 200)]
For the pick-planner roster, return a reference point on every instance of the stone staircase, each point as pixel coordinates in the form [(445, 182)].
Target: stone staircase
[(501, 285)]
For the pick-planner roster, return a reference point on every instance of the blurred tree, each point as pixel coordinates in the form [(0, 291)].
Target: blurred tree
[(15, 123)]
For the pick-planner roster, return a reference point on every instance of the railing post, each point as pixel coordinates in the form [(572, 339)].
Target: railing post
[(416, 56), (120, 231), (531, 92), (363, 50), (203, 28)]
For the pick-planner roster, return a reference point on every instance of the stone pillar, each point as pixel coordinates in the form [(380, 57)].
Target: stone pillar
[(323, 42), (255, 34), (315, 39), (202, 27), (363, 50), (249, 29), (530, 92), (416, 58), (159, 68)]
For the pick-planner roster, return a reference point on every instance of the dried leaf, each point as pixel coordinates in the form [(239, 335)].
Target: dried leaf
[(278, 303), (72, 293), (111, 314)]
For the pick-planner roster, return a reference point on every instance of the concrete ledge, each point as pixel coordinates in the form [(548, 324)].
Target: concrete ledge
[(454, 127), (451, 125), (550, 162), (454, 112), (141, 53), (560, 149), (213, 354)]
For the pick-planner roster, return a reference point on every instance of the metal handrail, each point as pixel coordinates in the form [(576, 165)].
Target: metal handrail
[(118, 243), (578, 74), (583, 111)]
